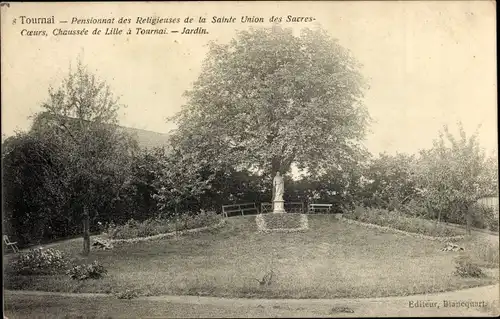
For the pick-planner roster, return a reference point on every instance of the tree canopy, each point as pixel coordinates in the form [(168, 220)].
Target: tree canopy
[(268, 99)]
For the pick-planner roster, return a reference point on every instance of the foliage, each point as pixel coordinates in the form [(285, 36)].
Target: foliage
[(140, 196), (338, 186), (95, 270), (186, 181), (453, 175), (269, 99), (39, 261), (73, 163), (34, 196), (81, 116), (484, 217), (465, 267), (416, 207), (181, 179), (161, 225), (389, 181), (127, 294), (400, 221)]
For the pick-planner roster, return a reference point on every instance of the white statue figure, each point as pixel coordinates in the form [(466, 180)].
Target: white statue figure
[(279, 186)]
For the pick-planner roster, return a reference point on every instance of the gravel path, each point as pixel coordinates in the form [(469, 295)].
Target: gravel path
[(192, 306)]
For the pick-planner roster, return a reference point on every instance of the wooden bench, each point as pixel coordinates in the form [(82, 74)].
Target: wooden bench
[(319, 208), (239, 208)]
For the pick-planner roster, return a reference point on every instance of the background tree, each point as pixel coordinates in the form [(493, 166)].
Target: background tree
[(269, 99), (81, 116), (33, 194), (454, 174), (391, 183)]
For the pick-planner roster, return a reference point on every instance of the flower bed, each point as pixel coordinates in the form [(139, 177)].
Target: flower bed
[(390, 220), (160, 226), (351, 221), (281, 222), (38, 261), (167, 235)]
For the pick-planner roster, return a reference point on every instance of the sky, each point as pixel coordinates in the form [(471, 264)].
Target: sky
[(428, 63)]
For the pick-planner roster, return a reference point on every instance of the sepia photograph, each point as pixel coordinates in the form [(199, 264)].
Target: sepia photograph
[(249, 159)]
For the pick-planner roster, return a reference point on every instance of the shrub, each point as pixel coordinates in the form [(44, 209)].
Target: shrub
[(203, 219), (484, 217), (39, 261), (111, 230), (415, 208), (493, 224), (94, 270), (129, 230), (465, 267), (127, 294), (149, 227)]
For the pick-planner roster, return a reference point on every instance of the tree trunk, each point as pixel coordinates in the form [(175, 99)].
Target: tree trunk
[(86, 232)]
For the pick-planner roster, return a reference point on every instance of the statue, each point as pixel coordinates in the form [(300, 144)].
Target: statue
[(279, 188)]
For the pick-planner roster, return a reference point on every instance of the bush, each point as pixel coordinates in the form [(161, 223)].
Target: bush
[(415, 208), (161, 225), (39, 262), (484, 217), (465, 267), (400, 221), (190, 220), (94, 270), (493, 224)]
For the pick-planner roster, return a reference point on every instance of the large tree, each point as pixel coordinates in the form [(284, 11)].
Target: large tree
[(269, 99), (81, 117)]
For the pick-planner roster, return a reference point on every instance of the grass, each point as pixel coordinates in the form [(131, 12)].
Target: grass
[(332, 259), (394, 219), (483, 250)]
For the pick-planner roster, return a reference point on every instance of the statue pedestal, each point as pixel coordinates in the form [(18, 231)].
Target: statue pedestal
[(279, 207)]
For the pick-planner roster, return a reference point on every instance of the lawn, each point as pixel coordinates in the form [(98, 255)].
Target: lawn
[(332, 259)]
